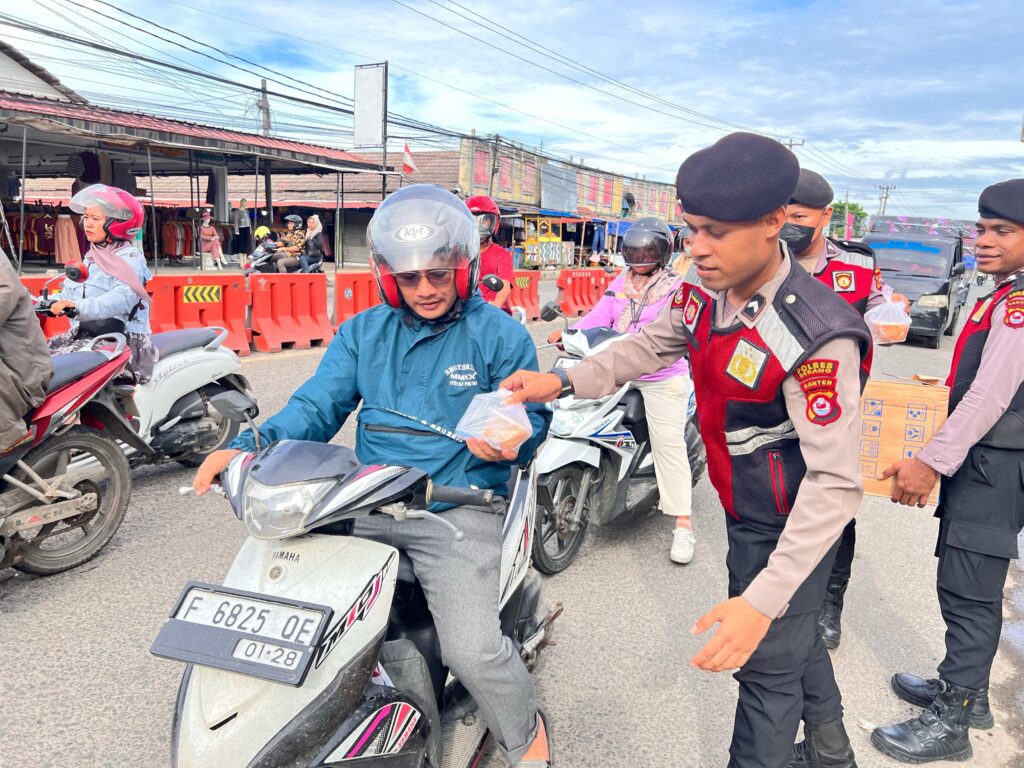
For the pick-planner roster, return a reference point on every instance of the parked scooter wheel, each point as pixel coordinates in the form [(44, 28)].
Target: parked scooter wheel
[(65, 544), (555, 544), (227, 431)]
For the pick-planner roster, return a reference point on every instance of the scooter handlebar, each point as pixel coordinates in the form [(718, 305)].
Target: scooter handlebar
[(471, 497)]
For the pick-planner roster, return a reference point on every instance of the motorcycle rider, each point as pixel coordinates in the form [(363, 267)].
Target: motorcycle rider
[(778, 367), (113, 296), (850, 270), (414, 363), (291, 245), (494, 260), (25, 364), (633, 299)]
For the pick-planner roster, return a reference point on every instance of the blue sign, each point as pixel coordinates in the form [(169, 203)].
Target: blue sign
[(906, 245)]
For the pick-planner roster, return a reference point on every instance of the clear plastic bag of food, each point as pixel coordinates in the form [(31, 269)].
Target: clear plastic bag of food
[(889, 323), (503, 426)]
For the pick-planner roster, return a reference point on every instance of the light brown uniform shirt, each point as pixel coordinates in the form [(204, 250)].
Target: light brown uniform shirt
[(999, 376), (815, 264), (832, 489)]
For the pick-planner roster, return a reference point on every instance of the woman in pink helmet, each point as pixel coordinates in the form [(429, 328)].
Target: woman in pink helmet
[(112, 297)]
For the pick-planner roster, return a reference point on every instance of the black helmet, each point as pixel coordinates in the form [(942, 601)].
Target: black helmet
[(423, 227), (648, 241), (294, 218)]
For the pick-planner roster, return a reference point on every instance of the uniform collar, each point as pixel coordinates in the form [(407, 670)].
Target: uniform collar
[(1012, 277), (727, 315)]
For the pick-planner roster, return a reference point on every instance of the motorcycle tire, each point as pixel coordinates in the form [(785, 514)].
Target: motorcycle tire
[(229, 430), (565, 484), (98, 525)]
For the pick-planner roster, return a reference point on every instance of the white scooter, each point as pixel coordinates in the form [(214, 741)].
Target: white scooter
[(318, 648), (596, 465), (169, 418)]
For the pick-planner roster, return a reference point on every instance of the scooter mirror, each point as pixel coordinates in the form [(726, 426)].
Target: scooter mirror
[(493, 282), (234, 405), (549, 312), (76, 271)]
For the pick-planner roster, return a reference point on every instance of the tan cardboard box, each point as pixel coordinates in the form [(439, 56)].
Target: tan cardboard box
[(899, 418)]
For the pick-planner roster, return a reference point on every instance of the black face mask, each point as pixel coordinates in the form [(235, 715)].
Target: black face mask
[(797, 237)]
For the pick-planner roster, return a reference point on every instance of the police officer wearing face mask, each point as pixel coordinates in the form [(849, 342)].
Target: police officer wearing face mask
[(849, 269)]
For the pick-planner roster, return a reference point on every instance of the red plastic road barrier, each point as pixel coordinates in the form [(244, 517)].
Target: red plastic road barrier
[(578, 290), (526, 292), (289, 309), (201, 301), (353, 292), (51, 325)]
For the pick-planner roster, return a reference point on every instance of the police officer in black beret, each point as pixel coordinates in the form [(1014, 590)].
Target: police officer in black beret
[(777, 361), (979, 456)]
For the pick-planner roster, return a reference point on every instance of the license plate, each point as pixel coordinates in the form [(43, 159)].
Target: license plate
[(263, 636)]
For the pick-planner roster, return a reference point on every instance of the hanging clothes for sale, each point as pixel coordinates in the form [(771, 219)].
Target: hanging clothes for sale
[(67, 248)]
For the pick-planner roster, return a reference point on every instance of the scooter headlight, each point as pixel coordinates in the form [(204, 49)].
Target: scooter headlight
[(280, 511), (564, 421)]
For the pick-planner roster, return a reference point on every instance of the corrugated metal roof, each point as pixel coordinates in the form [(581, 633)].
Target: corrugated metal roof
[(150, 124)]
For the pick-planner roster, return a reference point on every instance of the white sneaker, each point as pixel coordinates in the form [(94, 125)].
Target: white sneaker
[(682, 546)]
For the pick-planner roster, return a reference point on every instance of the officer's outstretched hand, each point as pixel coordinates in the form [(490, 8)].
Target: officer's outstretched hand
[(912, 483), (532, 387), (212, 466), (741, 630)]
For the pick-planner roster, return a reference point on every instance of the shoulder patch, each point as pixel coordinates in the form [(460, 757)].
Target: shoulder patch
[(691, 306), (878, 279), (1014, 317), (817, 379), (843, 281)]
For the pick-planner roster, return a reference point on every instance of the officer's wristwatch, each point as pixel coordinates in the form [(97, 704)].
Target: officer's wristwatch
[(564, 378)]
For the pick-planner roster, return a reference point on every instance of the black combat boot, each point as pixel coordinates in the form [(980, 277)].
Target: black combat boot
[(921, 692), (939, 733), (831, 614), (824, 746)]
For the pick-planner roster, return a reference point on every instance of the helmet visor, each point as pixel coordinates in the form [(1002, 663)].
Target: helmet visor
[(642, 247), (104, 198), (486, 223)]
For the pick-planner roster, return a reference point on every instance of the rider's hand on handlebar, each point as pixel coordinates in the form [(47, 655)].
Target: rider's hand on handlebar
[(532, 387), (483, 450), (210, 468), (554, 337), (58, 307)]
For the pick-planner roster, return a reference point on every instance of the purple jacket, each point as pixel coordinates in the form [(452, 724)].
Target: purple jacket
[(607, 311)]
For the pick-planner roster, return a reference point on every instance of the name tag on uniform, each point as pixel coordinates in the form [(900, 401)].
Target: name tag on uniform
[(747, 363), (843, 282)]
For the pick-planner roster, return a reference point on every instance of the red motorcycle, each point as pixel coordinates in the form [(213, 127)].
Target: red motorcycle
[(64, 494)]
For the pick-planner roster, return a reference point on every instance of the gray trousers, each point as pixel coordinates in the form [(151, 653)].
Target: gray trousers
[(460, 580)]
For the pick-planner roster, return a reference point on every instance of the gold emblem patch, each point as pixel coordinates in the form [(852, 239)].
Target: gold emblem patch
[(842, 282), (747, 363)]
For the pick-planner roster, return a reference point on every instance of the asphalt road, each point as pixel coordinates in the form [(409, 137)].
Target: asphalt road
[(80, 689)]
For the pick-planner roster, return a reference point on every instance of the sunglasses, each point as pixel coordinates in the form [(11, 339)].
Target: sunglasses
[(439, 278)]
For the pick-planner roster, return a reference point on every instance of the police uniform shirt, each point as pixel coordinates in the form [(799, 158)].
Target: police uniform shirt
[(999, 377), (815, 264), (832, 489)]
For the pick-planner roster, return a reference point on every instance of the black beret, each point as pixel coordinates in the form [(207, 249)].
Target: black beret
[(812, 190), (1004, 200), (740, 177)]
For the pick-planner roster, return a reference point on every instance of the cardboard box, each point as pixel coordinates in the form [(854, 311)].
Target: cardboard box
[(898, 420)]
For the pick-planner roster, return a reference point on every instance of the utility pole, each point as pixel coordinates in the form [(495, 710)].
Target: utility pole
[(790, 143), (883, 198), (846, 218), (264, 107), (495, 160)]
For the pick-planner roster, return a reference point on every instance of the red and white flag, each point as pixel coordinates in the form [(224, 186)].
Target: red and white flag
[(408, 164)]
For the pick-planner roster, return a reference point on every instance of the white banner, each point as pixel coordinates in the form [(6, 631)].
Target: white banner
[(370, 105)]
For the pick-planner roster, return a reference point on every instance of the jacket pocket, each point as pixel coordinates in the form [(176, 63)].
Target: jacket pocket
[(776, 469), (399, 430)]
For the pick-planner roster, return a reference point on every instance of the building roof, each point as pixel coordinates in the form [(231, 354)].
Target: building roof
[(27, 64), (117, 126)]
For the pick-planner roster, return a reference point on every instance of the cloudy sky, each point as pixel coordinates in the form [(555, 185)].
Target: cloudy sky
[(925, 95)]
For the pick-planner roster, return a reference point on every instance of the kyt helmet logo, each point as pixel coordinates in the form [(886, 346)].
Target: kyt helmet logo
[(411, 233)]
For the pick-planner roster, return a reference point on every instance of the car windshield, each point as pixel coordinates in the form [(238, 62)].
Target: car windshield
[(912, 258)]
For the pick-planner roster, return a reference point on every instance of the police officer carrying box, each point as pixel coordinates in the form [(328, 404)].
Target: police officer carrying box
[(849, 269), (979, 452), (778, 365)]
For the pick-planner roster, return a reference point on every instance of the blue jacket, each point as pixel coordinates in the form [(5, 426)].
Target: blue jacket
[(102, 296), (406, 373)]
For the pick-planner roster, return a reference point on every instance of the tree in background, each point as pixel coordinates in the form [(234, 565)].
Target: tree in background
[(839, 218)]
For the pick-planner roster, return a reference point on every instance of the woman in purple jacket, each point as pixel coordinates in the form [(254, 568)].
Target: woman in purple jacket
[(634, 299)]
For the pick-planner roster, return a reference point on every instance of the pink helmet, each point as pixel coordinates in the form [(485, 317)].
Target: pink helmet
[(124, 213)]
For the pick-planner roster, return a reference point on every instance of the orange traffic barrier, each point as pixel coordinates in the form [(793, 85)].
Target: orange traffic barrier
[(526, 292), (289, 309), (578, 290), (52, 326), (201, 301), (353, 292)]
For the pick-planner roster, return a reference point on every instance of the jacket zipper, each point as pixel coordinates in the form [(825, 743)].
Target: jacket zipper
[(398, 430), (775, 468)]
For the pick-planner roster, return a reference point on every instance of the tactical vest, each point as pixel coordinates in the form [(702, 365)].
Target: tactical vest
[(851, 273), (754, 458), (1008, 432)]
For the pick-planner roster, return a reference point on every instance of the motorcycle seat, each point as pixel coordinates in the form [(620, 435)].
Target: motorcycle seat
[(172, 342), (632, 406), (72, 366)]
